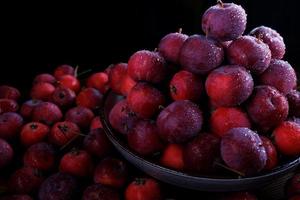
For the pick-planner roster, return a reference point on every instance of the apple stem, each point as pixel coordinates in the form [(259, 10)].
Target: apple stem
[(229, 169), (260, 37), (220, 2), (75, 151), (76, 71), (173, 89), (33, 126), (161, 107), (139, 181), (109, 66), (84, 72), (37, 173), (81, 134), (68, 143)]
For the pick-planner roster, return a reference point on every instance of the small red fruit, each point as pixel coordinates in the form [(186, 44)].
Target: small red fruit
[(33, 132), (27, 108), (59, 186), (98, 81), (200, 154), (223, 119), (170, 45), (62, 70), (224, 21), (96, 143), (147, 66), (144, 138), (77, 163), (70, 82), (63, 132), (111, 172), (80, 115), (229, 85), (186, 86), (249, 52), (89, 98), (63, 97), (25, 180), (8, 105), (40, 156), (179, 122), (200, 54), (145, 100), (280, 75), (116, 75), (6, 152), (272, 158), (267, 107), (287, 138), (172, 157), (119, 80), (122, 118), (243, 151), (44, 78), (47, 113), (10, 125), (272, 38), (143, 189), (8, 92), (42, 91)]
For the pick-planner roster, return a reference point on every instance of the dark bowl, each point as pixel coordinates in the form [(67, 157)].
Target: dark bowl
[(270, 183)]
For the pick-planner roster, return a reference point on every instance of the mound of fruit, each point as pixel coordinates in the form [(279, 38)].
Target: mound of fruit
[(196, 103), (53, 147), (203, 101)]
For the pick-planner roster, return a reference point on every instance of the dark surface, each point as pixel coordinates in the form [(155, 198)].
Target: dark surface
[(37, 37)]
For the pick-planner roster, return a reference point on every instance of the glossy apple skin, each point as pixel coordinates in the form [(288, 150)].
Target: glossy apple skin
[(242, 150), (224, 21), (267, 107), (179, 122), (200, 54), (229, 86), (249, 52)]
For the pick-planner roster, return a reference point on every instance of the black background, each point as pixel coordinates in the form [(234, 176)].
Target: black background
[(35, 38)]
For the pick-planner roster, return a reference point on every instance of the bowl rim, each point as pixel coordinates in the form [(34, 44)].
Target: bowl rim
[(110, 132)]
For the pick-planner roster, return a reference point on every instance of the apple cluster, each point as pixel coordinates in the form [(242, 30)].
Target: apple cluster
[(224, 98), (53, 146)]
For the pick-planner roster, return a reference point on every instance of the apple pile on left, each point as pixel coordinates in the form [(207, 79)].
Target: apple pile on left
[(52, 146)]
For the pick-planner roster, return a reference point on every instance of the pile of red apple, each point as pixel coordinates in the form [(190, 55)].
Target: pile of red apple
[(214, 99), (197, 102), (53, 147)]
